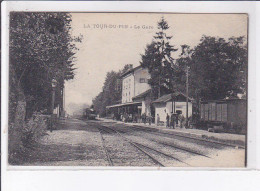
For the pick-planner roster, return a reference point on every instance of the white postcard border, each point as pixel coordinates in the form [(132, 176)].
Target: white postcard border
[(173, 7)]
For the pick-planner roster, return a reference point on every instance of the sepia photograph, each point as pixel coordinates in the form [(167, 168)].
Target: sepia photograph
[(128, 89)]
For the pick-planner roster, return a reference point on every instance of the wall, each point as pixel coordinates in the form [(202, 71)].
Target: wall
[(146, 106), (128, 88), (179, 106), (242, 113), (162, 109), (141, 87)]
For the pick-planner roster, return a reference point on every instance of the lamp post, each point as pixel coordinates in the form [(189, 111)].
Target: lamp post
[(53, 85)]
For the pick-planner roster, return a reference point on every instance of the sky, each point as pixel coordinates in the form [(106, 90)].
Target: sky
[(112, 40)]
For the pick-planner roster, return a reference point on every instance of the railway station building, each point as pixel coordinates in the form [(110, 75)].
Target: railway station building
[(172, 103), (135, 94), (137, 99)]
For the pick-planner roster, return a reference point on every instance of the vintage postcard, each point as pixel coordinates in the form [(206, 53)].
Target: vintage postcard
[(127, 89)]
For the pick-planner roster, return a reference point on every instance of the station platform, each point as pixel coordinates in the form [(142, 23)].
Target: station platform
[(232, 139)]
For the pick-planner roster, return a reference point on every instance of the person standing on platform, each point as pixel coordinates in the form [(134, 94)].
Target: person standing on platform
[(172, 121), (182, 120), (158, 119), (177, 120), (144, 118), (149, 119), (167, 120)]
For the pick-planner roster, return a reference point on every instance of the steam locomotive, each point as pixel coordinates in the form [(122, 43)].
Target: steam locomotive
[(89, 113)]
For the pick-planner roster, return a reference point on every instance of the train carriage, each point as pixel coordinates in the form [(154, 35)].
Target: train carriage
[(231, 114), (89, 113)]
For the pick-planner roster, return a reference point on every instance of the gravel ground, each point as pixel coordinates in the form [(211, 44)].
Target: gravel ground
[(79, 143), (122, 153), (74, 143), (182, 144), (165, 160), (204, 148), (182, 140), (220, 156)]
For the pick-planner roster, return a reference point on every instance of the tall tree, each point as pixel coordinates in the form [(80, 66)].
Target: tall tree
[(158, 60), (218, 68), (41, 49), (111, 91)]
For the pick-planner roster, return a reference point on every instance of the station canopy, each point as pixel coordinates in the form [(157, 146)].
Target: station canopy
[(124, 104)]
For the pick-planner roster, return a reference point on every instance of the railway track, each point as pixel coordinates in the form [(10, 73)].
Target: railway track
[(162, 150), (105, 149), (166, 143), (205, 141), (110, 130), (182, 149), (144, 148), (153, 131), (172, 145)]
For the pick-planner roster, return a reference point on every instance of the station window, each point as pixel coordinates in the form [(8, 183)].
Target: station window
[(142, 80)]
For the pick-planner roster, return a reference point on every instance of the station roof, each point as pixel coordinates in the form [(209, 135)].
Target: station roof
[(124, 104), (130, 70), (177, 96), (224, 100), (142, 95)]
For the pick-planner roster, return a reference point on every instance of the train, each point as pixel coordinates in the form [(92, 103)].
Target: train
[(89, 113), (229, 115)]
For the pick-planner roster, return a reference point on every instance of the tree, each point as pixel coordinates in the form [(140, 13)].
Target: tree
[(218, 68), (41, 49), (111, 91), (158, 60)]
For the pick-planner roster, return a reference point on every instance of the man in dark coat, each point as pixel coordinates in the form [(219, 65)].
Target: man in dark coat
[(172, 120), (167, 120)]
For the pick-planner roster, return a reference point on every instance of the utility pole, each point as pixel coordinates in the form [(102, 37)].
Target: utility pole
[(187, 95), (186, 53), (172, 102), (159, 91), (64, 111)]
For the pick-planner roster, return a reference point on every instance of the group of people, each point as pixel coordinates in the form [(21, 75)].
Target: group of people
[(136, 118), (173, 120), (126, 117), (147, 119)]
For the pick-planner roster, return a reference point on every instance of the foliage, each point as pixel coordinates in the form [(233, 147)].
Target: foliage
[(217, 68), (41, 49), (34, 129), (111, 93), (158, 60), (24, 136)]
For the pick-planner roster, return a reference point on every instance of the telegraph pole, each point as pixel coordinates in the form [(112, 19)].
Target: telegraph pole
[(159, 91), (187, 95), (64, 111)]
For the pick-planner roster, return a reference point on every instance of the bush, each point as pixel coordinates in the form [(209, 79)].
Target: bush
[(34, 129), (23, 138)]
